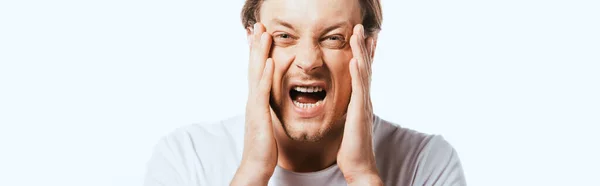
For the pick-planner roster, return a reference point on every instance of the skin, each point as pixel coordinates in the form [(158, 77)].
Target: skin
[(301, 41)]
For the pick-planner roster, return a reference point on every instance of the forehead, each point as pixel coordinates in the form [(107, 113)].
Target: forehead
[(311, 13)]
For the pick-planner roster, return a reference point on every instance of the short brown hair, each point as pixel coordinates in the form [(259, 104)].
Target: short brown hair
[(371, 14)]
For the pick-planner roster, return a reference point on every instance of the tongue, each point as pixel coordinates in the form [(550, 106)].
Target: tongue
[(307, 97)]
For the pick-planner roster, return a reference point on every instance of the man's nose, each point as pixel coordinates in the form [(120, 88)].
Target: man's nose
[(308, 57)]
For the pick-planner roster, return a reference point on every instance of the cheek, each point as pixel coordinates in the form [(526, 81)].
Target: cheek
[(281, 57), (338, 62)]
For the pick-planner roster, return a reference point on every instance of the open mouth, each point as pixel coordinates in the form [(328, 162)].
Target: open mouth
[(307, 97)]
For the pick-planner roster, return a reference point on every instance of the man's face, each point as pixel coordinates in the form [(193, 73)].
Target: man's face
[(310, 96)]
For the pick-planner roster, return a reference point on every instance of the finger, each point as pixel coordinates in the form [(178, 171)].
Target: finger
[(362, 54), (254, 39), (252, 69), (363, 42), (260, 52), (250, 37), (370, 44), (365, 63), (356, 50), (355, 43), (369, 48), (362, 39), (358, 54), (264, 88), (257, 31), (357, 84), (355, 125)]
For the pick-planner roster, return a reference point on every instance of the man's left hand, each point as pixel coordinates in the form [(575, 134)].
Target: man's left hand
[(356, 158)]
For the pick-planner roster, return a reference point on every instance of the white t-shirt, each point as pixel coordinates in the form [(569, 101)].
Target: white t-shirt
[(209, 154)]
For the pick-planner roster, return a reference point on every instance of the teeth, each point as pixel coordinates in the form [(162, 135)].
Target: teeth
[(319, 103), (308, 89), (308, 105)]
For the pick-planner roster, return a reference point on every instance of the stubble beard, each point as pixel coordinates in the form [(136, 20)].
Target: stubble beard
[(328, 129)]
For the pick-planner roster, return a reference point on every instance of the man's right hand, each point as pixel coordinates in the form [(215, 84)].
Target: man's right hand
[(260, 148)]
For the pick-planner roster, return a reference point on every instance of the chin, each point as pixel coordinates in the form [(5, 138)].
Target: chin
[(306, 130)]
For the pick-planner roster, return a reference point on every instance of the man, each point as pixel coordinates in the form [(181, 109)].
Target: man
[(309, 118)]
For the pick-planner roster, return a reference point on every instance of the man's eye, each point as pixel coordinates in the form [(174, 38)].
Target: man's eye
[(335, 41), (283, 39), (335, 38), (285, 36)]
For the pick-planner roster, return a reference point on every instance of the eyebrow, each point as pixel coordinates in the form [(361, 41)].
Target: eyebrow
[(327, 29), (335, 26), (283, 23)]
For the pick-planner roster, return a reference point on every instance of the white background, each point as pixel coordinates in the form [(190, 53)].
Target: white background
[(87, 88)]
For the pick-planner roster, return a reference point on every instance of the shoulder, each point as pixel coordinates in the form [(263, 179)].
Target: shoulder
[(206, 139), (397, 139), (438, 164), (406, 156), (392, 135), (204, 133), (211, 150)]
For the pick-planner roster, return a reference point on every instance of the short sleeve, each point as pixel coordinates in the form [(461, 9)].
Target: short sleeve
[(165, 167), (438, 165)]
